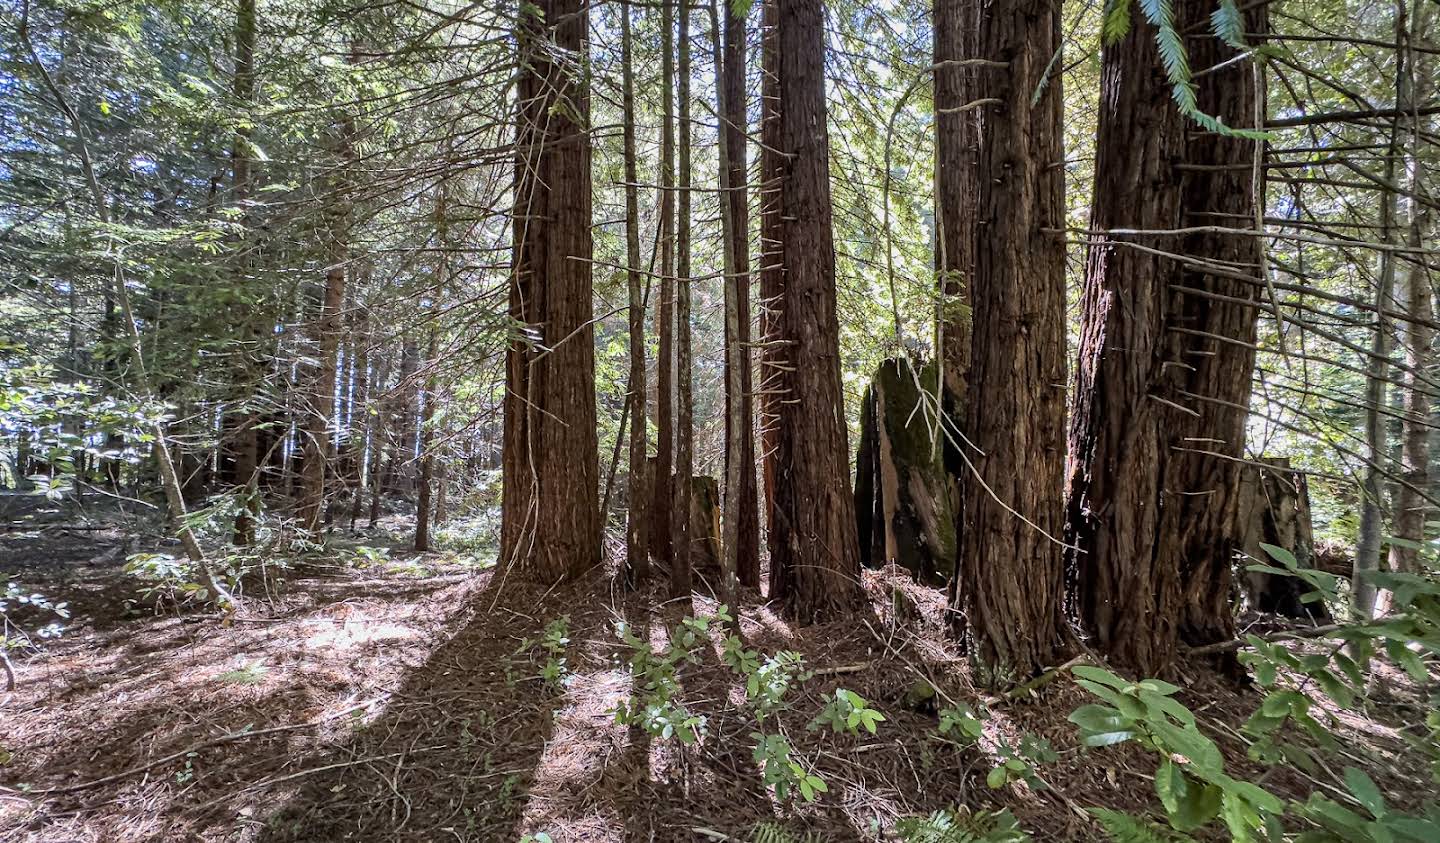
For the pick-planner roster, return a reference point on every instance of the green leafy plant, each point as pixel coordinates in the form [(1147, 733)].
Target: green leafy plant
[(783, 774), (1191, 780), (249, 673), (1226, 24), (551, 646), (962, 723), (1018, 763), (655, 707), (847, 713)]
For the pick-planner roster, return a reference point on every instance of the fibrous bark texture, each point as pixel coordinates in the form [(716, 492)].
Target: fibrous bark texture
[(957, 135), (1165, 364), (747, 530), (1009, 591), (550, 526), (905, 500), (814, 551)]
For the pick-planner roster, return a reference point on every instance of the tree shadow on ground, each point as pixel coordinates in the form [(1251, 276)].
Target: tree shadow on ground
[(457, 748)]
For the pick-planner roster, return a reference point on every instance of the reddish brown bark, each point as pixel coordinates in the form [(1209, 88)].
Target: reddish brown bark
[(1010, 576), (1154, 521), (1204, 507), (550, 512), (662, 543), (637, 550), (957, 136), (747, 535), (814, 549), (772, 272), (681, 562)]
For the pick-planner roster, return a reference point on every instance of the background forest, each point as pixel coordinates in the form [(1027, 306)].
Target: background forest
[(969, 420)]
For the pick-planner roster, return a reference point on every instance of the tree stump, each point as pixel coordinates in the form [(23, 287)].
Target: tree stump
[(905, 500), (705, 547), (1275, 509)]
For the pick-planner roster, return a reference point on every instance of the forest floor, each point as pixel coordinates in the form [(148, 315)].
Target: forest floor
[(400, 701)]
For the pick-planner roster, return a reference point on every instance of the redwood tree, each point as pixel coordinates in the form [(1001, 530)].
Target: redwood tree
[(550, 512), (662, 543), (747, 528), (956, 146), (1009, 592), (814, 550), (1165, 358), (772, 273), (1218, 186)]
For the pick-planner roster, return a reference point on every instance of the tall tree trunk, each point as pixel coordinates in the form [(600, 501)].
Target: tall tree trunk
[(404, 403), (1210, 376), (1410, 506), (739, 401), (772, 268), (736, 431), (814, 547), (550, 512), (681, 562), (1128, 584), (1160, 404), (1010, 572), (380, 436), (637, 558), (662, 542), (322, 399), (432, 378), (957, 138), (242, 438), (360, 445), (1377, 370)]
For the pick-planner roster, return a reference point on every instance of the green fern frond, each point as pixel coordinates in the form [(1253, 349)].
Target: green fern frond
[(1228, 25), (1127, 828), (955, 827), (774, 832), (1116, 23), (1175, 60), (1161, 14)]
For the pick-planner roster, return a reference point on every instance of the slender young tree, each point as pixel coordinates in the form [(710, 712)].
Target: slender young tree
[(550, 511), (1010, 589), (814, 546), (637, 565), (771, 269), (739, 401), (662, 542), (957, 134), (1418, 336), (360, 441), (423, 515), (734, 465), (243, 439), (680, 564)]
